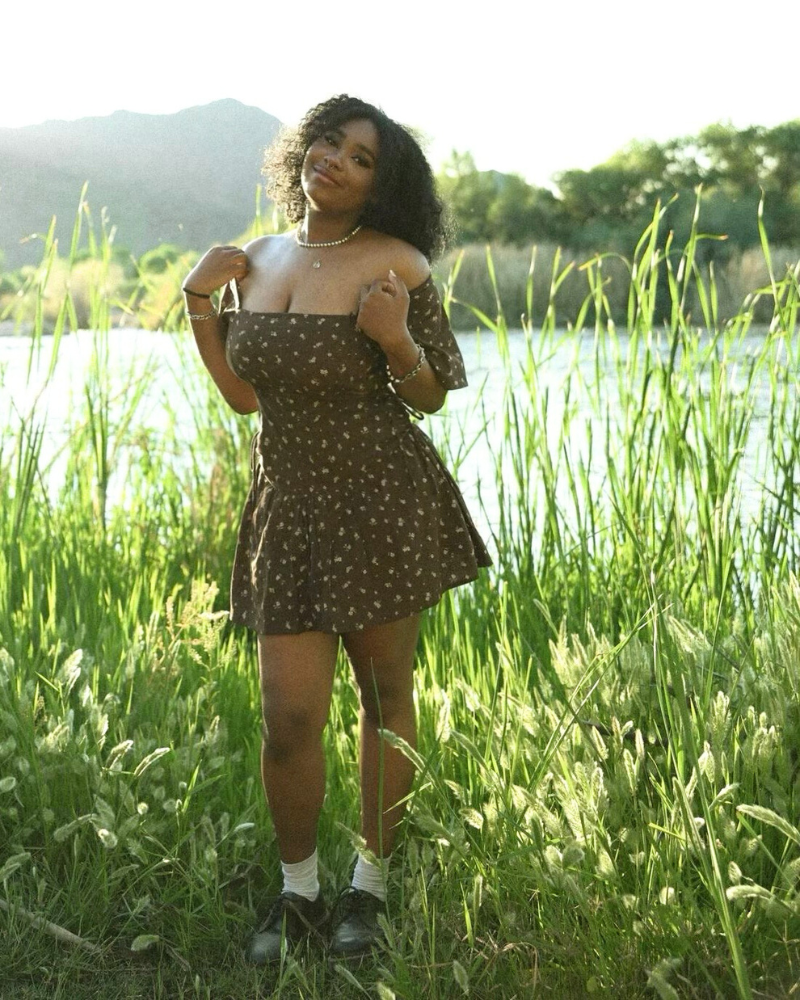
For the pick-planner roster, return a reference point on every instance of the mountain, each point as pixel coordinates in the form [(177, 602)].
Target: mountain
[(189, 178)]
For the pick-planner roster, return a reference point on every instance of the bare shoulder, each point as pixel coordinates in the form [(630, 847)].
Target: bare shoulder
[(266, 247), (405, 260)]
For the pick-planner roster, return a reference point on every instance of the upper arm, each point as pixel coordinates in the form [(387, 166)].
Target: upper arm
[(410, 265), (390, 253)]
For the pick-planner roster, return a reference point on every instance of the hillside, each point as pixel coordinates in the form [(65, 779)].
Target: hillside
[(189, 178)]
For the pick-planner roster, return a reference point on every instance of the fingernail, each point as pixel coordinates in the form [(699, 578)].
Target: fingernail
[(392, 274)]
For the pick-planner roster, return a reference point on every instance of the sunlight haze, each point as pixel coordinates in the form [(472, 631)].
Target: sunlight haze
[(555, 87)]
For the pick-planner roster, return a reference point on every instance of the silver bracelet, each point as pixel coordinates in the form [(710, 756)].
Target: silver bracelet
[(399, 379), (207, 315)]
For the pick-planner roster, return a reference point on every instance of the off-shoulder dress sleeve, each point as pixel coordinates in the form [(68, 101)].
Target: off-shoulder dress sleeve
[(428, 325)]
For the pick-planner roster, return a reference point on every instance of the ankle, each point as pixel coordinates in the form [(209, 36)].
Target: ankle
[(371, 877), (302, 877)]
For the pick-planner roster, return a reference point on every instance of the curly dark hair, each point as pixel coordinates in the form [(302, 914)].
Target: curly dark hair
[(405, 203)]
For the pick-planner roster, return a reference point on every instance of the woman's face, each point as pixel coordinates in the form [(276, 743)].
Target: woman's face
[(339, 167)]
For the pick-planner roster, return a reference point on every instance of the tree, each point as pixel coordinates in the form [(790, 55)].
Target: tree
[(522, 214), (608, 206), (160, 258), (735, 158), (782, 183), (496, 207), (468, 194), (782, 158)]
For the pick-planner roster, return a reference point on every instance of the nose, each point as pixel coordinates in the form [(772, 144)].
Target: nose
[(333, 158)]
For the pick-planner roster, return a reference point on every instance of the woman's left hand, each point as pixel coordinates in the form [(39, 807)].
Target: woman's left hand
[(383, 311)]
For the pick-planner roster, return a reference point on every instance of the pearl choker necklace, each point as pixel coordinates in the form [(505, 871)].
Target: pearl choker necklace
[(327, 243)]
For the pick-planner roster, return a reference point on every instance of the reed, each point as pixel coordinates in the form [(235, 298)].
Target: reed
[(606, 800), (739, 276)]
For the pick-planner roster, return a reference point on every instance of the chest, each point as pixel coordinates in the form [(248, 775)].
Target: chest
[(296, 285), (303, 352)]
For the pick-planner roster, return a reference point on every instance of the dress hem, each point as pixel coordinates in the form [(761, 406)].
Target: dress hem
[(411, 608)]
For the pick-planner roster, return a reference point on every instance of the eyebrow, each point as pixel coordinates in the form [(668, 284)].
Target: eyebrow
[(359, 145)]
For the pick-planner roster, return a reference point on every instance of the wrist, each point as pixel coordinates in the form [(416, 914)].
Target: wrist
[(194, 291), (209, 312), (398, 379), (401, 351)]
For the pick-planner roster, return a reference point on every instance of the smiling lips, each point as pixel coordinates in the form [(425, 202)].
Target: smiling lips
[(326, 175)]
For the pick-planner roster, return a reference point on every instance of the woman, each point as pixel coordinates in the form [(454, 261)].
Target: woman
[(352, 525)]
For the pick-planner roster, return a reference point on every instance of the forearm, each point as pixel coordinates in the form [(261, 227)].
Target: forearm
[(423, 390), (239, 394)]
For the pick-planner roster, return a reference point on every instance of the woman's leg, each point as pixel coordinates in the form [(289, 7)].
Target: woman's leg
[(383, 663), (296, 684)]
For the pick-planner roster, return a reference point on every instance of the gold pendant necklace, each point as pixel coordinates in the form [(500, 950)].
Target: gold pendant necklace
[(328, 243)]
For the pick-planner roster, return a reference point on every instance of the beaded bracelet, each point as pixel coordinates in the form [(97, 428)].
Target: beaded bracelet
[(399, 379), (207, 315), (197, 295)]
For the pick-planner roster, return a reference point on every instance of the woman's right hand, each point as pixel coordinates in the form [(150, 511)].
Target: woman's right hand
[(216, 268)]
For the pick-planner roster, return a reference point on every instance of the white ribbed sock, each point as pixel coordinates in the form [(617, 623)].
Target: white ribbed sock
[(369, 877), (302, 877)]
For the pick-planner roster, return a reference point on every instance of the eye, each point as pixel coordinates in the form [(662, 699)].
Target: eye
[(331, 138), (362, 161)]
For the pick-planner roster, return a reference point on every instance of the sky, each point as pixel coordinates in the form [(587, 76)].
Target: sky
[(526, 87)]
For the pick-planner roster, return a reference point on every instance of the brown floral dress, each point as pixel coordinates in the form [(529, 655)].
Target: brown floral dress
[(352, 520)]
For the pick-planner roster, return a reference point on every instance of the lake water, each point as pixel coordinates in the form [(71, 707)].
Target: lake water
[(470, 424)]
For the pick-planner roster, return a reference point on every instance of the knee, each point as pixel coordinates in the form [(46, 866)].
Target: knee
[(288, 731), (389, 702)]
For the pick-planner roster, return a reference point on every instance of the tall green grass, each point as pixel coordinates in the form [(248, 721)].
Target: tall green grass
[(738, 276), (607, 791)]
